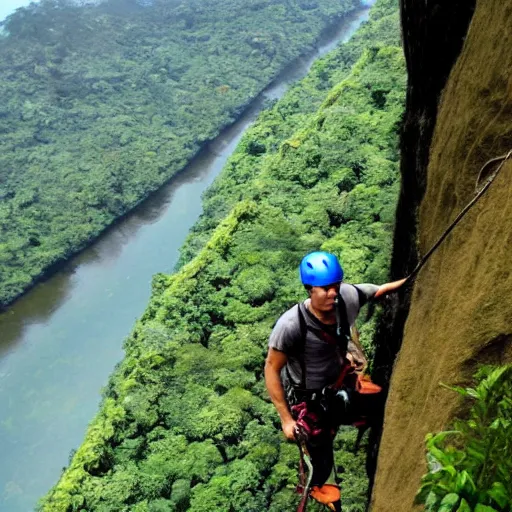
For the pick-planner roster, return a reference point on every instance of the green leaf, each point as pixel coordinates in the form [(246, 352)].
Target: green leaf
[(450, 470), (496, 424), (476, 454), (424, 492), (464, 506), (465, 483), (431, 502), (484, 508), (433, 441), (499, 494), (449, 502), (473, 393), (460, 481)]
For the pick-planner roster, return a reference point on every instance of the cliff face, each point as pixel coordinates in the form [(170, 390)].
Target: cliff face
[(459, 310)]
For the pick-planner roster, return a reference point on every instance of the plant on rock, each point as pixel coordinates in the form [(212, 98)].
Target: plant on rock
[(470, 468)]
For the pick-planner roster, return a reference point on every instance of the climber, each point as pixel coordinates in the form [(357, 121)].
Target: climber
[(313, 348)]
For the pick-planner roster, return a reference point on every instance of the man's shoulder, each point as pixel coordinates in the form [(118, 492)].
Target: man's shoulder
[(287, 331), (355, 296), (289, 319), (349, 293), (358, 293)]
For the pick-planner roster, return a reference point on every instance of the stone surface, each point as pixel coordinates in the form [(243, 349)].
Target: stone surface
[(460, 309)]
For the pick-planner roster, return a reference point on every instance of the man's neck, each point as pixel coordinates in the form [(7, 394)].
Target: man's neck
[(326, 317)]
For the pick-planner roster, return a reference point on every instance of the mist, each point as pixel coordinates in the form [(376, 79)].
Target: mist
[(9, 6)]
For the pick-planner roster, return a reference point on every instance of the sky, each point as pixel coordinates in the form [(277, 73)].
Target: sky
[(9, 6)]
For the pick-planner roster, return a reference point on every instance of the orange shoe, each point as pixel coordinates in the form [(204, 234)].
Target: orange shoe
[(328, 495)]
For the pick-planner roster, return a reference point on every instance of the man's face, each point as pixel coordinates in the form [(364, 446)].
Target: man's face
[(322, 297)]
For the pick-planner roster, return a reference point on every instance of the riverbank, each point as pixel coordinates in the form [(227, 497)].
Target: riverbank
[(244, 110), (102, 191), (61, 341)]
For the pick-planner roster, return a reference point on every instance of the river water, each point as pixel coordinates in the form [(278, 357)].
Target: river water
[(60, 342)]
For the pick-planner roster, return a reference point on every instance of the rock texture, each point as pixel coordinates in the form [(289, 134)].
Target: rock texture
[(460, 310)]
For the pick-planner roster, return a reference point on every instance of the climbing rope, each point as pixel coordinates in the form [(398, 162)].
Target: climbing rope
[(478, 195), (305, 466)]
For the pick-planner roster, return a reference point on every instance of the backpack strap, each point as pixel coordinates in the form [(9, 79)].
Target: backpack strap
[(303, 329), (342, 325), (303, 334)]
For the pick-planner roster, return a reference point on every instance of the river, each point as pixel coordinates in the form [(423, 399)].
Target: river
[(60, 342)]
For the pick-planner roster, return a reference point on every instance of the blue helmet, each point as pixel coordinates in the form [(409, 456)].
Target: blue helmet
[(320, 269)]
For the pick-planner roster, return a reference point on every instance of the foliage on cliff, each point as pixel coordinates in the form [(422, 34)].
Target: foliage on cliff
[(279, 123), (470, 466), (186, 423), (101, 104)]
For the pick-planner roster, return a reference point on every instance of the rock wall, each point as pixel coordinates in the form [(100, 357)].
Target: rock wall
[(460, 310), (433, 34)]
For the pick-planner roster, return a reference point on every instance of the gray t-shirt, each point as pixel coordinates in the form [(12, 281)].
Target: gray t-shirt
[(322, 359)]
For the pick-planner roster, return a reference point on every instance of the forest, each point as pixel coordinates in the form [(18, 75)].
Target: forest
[(186, 423), (104, 102)]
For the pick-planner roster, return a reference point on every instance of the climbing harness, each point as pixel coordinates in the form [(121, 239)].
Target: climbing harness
[(462, 213), (350, 400)]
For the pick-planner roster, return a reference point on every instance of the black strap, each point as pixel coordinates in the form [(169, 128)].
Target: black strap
[(342, 325), (303, 327), (302, 352)]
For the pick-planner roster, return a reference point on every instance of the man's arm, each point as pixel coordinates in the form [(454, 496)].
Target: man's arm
[(273, 365), (384, 289)]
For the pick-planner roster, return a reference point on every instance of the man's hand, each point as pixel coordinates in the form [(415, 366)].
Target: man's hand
[(289, 427)]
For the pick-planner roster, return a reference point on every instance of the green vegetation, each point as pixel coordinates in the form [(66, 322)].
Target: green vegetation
[(186, 423), (101, 104), (470, 467)]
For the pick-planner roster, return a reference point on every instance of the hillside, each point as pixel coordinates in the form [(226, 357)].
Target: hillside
[(104, 102), (186, 423)]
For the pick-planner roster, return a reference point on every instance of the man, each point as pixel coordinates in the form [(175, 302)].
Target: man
[(304, 356)]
